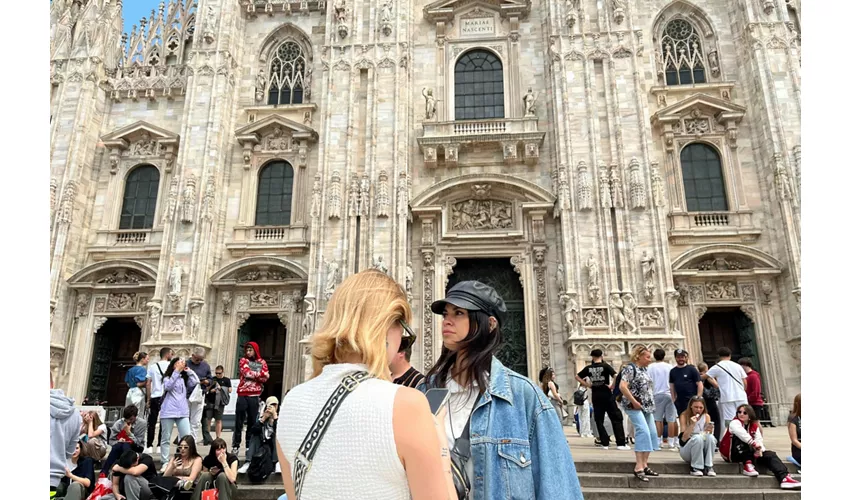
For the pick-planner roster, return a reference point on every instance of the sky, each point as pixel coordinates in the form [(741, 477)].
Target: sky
[(137, 9)]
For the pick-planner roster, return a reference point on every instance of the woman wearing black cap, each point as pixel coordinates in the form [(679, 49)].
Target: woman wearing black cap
[(515, 434)]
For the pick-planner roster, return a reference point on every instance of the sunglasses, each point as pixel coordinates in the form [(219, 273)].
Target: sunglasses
[(407, 336), (183, 447), (742, 412)]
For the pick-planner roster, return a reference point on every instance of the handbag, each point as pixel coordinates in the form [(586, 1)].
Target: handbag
[(460, 454), (197, 395), (102, 488), (307, 450)]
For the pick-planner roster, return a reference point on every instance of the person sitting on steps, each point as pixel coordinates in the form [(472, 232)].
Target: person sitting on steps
[(94, 433), (183, 468), (128, 433), (794, 432), (744, 444), (78, 483), (696, 440), (219, 472)]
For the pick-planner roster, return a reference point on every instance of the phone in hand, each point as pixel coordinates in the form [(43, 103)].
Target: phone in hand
[(437, 398)]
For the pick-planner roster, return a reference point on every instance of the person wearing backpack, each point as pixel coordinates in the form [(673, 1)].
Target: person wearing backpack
[(582, 401), (154, 391), (733, 386), (636, 398), (600, 374)]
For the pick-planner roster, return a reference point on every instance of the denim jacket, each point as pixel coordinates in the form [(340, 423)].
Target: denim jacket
[(518, 446)]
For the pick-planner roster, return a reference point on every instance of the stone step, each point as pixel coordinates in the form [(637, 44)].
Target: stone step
[(678, 481), (677, 494), (677, 467)]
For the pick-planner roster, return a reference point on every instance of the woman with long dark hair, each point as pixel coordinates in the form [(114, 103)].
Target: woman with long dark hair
[(220, 471), (177, 382), (794, 431), (746, 446), (519, 443), (78, 483), (182, 470), (550, 389)]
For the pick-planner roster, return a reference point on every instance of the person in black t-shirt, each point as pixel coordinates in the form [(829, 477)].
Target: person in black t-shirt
[(685, 381), (216, 400), (602, 376), (219, 472), (78, 483), (403, 373), (131, 474)]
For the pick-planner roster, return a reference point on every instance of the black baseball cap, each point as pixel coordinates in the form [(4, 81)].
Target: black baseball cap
[(680, 352), (473, 296)]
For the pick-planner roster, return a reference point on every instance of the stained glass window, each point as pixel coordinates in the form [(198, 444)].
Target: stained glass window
[(682, 54), (286, 74)]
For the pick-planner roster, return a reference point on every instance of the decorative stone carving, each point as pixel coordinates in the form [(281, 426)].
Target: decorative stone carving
[(748, 293), (83, 303), (714, 63), (696, 294), (430, 103), (650, 318), (195, 307), (277, 140), (121, 302), (561, 281), (618, 6), (637, 192), (766, 288), (616, 187), (54, 186), (572, 13), (673, 311), (451, 154), (509, 152), (121, 276), (241, 318), (428, 318), (188, 213), (699, 311), (364, 198), (768, 6), (542, 305), (316, 197), (798, 166), (262, 298), (481, 191), (260, 86), (720, 263), (173, 194), (783, 184), (208, 201), (697, 124), (379, 264), (145, 146), (595, 317), (683, 293), (175, 280), (354, 196), (530, 102), (604, 187), (629, 313), (569, 312), (309, 321), (176, 324), (750, 311), (408, 281), (564, 201), (332, 278), (719, 290), (449, 267), (386, 17), (335, 196), (341, 11), (98, 322), (226, 301), (592, 279), (427, 232), (402, 196), (532, 153), (482, 214), (657, 186), (585, 188), (516, 261), (154, 311), (66, 208), (99, 304), (209, 25), (382, 196), (647, 265)]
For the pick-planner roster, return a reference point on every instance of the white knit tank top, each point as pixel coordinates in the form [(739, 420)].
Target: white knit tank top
[(357, 457)]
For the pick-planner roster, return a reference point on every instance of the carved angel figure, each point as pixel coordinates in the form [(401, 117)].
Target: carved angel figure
[(430, 103), (530, 101)]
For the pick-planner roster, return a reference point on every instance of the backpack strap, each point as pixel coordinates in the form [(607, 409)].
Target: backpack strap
[(307, 450)]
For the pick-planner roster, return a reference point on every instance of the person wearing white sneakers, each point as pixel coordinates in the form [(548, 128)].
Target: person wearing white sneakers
[(659, 372), (697, 438), (743, 443)]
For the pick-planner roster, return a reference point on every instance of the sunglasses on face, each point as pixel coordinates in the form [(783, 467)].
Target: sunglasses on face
[(742, 412), (407, 336), (183, 447)]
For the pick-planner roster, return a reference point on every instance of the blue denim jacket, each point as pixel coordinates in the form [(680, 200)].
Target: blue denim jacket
[(518, 446)]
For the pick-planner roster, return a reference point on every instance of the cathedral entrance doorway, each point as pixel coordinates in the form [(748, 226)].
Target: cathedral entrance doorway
[(728, 327), (270, 335), (114, 345), (499, 273)]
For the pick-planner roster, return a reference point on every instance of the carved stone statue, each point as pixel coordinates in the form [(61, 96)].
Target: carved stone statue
[(530, 101), (189, 196), (592, 278), (175, 280), (154, 310), (430, 103), (379, 264), (145, 146), (629, 312), (585, 189), (408, 280), (260, 88), (382, 196), (647, 265), (387, 12), (783, 185), (616, 187), (618, 319), (482, 214), (604, 187), (657, 187), (316, 201), (364, 196), (673, 311), (340, 10), (309, 318), (569, 309), (335, 196), (636, 188), (594, 317), (561, 281), (330, 283)]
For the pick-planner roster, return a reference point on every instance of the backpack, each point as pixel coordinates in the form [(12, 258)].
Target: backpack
[(618, 395), (262, 465), (579, 397)]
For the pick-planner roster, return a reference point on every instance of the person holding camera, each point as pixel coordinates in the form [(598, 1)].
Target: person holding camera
[(696, 440), (178, 382)]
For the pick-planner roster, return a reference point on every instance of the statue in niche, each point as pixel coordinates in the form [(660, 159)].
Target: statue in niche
[(387, 12), (647, 265), (260, 88), (618, 319), (340, 10), (175, 280), (430, 103), (530, 101), (408, 281), (592, 278), (713, 63), (379, 264), (333, 277), (629, 308), (561, 281), (569, 308)]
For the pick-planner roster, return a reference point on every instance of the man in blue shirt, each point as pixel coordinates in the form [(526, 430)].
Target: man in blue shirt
[(685, 381)]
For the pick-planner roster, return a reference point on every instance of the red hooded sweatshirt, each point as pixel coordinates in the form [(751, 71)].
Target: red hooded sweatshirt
[(252, 373)]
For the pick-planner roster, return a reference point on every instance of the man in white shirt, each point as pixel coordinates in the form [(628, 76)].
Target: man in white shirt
[(665, 411), (732, 380), (154, 392)]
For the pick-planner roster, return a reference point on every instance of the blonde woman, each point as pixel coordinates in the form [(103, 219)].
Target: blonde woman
[(638, 403), (381, 441)]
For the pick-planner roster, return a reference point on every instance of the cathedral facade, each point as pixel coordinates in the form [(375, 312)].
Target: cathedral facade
[(624, 173)]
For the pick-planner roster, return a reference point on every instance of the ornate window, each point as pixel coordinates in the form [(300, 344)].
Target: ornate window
[(274, 194), (286, 74), (140, 192), (479, 86), (703, 178), (682, 54)]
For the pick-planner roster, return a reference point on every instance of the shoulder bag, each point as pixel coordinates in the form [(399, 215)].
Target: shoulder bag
[(460, 455), (731, 376), (307, 450)]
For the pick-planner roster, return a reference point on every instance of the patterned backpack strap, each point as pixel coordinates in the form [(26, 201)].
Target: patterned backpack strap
[(307, 450)]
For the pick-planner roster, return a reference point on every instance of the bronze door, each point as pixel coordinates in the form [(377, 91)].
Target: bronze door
[(270, 335), (114, 345)]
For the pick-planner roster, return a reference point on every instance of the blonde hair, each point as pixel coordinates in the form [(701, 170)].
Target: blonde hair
[(360, 312), (637, 351)]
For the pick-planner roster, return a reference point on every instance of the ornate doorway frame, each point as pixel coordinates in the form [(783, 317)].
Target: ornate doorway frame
[(729, 275), (483, 215), (262, 285)]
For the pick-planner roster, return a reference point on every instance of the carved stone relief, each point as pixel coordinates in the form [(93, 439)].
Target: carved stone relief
[(83, 302), (382, 197), (719, 290), (482, 214), (121, 276), (189, 195), (637, 192), (262, 298), (766, 289), (592, 279), (121, 302), (428, 318), (226, 302), (332, 277), (542, 305), (748, 293), (585, 188), (650, 317), (595, 317), (647, 265), (657, 186), (335, 196)]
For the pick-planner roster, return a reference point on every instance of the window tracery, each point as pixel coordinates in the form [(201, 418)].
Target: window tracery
[(479, 86), (287, 68), (683, 56)]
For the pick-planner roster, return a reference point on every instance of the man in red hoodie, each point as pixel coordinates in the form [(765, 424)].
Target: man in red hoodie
[(253, 373), (754, 397)]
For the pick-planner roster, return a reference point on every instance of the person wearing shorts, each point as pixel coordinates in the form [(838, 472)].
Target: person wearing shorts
[(214, 402), (665, 411)]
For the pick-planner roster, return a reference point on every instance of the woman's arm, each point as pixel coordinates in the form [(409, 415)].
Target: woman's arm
[(196, 469), (230, 472), (86, 482), (792, 433), (555, 391), (426, 461), (193, 378), (686, 427), (285, 473), (624, 388)]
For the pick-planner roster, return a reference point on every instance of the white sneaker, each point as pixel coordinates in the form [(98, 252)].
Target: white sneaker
[(749, 470), (148, 450), (624, 448), (244, 468), (277, 468), (696, 472), (604, 447)]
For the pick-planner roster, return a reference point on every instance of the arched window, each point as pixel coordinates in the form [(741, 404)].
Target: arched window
[(140, 194), (274, 195), (703, 178), (479, 86), (683, 59), (286, 74)]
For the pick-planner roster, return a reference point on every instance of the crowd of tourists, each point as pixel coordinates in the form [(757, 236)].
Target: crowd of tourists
[(483, 431)]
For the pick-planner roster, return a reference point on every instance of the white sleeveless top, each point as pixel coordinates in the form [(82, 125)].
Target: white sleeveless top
[(357, 457)]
